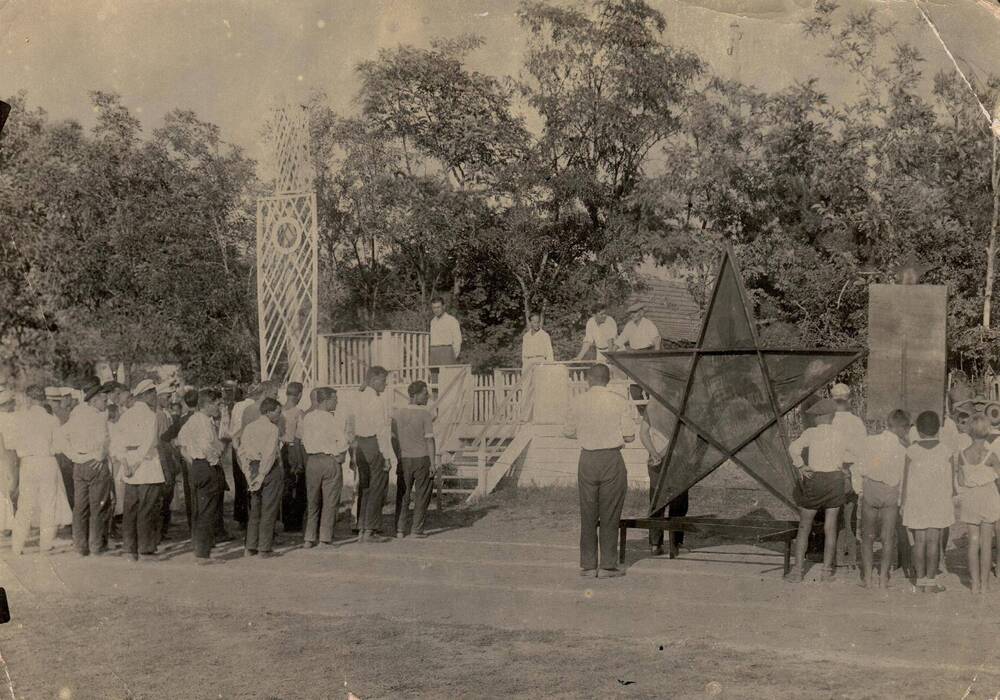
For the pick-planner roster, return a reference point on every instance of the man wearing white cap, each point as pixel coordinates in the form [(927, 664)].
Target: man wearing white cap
[(8, 462), (41, 493), (85, 444), (141, 520), (639, 333)]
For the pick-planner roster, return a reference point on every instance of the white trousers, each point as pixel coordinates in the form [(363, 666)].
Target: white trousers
[(42, 500)]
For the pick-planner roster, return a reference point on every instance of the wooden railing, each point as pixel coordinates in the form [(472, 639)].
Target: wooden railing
[(345, 357)]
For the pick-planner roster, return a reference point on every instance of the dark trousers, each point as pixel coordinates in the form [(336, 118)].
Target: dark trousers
[(220, 479), (324, 482), (169, 484), (141, 518), (182, 466), (677, 508), (68, 476), (241, 497), (372, 482), (264, 504), (92, 487), (206, 506), (603, 481), (413, 480), (293, 501)]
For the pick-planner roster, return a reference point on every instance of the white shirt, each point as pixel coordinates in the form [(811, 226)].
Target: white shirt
[(536, 346), (84, 437), (35, 433), (370, 420), (259, 443), (602, 334), (322, 433), (236, 418), (198, 439), (639, 336), (137, 434), (446, 331), (601, 419), (853, 433), (884, 459), (827, 451), (290, 418)]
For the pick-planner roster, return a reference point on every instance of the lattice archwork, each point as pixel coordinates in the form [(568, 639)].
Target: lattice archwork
[(291, 140), (287, 286)]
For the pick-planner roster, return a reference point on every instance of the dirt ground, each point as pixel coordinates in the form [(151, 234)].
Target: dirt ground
[(489, 606)]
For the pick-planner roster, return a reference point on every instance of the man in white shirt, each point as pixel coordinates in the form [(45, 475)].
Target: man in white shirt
[(656, 444), (8, 462), (85, 443), (375, 456), (325, 444), (260, 458), (536, 345), (142, 518), (201, 447), (41, 493), (639, 333), (602, 422), (854, 435), (600, 335), (446, 336)]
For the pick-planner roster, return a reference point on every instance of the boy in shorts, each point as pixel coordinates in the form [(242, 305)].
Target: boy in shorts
[(881, 468)]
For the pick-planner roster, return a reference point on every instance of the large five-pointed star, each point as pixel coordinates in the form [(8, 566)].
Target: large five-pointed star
[(726, 396)]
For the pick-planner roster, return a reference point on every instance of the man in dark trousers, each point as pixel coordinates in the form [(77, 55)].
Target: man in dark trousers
[(189, 408), (293, 502), (655, 441), (375, 455), (201, 447), (602, 421)]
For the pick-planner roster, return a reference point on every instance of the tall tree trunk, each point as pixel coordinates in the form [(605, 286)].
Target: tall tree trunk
[(991, 247)]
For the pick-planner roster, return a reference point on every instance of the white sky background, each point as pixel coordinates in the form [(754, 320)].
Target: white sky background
[(229, 60)]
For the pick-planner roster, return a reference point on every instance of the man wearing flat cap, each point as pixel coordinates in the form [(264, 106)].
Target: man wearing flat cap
[(85, 443), (639, 333), (142, 517)]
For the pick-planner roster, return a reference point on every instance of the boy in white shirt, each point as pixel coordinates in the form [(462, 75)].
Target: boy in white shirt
[(881, 469)]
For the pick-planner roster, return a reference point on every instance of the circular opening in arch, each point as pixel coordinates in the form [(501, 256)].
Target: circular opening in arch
[(287, 234)]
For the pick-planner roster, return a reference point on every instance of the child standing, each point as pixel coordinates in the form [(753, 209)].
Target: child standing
[(928, 489), (979, 500), (822, 485), (413, 426), (881, 471)]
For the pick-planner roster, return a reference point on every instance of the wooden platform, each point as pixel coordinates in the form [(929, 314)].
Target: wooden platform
[(740, 531)]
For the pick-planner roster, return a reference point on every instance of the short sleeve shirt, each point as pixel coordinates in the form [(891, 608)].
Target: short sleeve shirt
[(414, 425)]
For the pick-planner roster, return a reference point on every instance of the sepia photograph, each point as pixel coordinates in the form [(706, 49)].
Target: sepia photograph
[(377, 349)]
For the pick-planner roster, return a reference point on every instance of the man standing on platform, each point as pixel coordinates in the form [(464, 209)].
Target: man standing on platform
[(201, 447), (293, 502), (446, 336), (599, 337), (536, 346), (85, 443), (375, 456), (260, 457), (639, 333), (325, 443), (602, 421), (142, 519), (41, 493)]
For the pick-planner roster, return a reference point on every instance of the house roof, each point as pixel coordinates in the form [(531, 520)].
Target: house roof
[(671, 307)]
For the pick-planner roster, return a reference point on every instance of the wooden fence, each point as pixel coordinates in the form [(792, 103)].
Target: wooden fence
[(345, 357)]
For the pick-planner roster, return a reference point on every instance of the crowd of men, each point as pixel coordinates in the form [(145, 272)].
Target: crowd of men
[(111, 464)]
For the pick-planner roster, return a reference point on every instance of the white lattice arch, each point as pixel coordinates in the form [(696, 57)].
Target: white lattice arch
[(287, 258)]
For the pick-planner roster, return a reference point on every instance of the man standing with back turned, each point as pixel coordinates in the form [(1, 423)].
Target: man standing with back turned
[(376, 458), (602, 422)]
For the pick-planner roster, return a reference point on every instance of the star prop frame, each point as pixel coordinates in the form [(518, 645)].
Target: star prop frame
[(726, 397)]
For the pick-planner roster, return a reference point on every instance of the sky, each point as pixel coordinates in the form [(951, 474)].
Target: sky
[(231, 60)]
